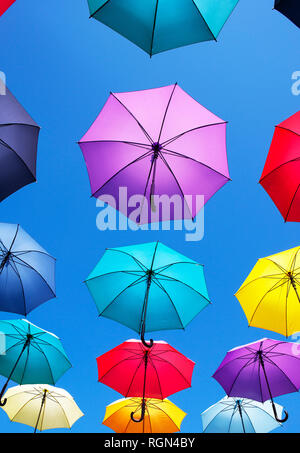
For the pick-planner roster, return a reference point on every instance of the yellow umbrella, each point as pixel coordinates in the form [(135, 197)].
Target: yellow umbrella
[(41, 406), (161, 416), (270, 296)]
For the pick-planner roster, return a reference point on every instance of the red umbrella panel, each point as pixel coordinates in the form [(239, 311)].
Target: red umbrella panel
[(4, 5), (281, 174), (138, 371)]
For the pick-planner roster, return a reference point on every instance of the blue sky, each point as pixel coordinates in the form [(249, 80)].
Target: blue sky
[(61, 66)]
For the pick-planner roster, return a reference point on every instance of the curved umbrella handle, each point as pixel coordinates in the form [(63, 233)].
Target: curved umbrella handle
[(142, 414), (2, 403), (286, 416), (147, 345)]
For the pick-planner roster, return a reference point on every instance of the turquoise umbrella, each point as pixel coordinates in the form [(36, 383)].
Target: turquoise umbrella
[(30, 355), (159, 25), (240, 415), (148, 287)]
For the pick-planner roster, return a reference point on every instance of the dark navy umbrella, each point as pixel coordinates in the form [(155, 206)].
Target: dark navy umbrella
[(290, 9), (18, 145), (27, 271)]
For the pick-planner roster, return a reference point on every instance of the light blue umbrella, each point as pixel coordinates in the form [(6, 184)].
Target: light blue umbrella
[(159, 25), (240, 415), (148, 287), (30, 355), (27, 271)]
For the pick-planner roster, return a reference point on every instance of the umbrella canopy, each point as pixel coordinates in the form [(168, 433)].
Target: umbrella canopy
[(18, 145), (161, 145), (270, 295), (153, 373), (261, 371), (30, 355), (159, 25), (27, 271), (240, 415), (281, 174), (160, 417), (41, 406), (5, 4), (290, 9), (148, 287)]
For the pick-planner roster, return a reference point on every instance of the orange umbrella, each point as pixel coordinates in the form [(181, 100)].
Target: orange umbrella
[(161, 416)]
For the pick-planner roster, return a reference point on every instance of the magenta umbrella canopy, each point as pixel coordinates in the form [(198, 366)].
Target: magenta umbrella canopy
[(158, 144), (261, 370)]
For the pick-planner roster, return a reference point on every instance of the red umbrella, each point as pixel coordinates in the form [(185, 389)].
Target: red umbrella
[(4, 5), (281, 174), (137, 371)]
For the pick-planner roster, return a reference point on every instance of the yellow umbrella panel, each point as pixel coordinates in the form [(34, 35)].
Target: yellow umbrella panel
[(41, 406), (161, 416), (270, 296)]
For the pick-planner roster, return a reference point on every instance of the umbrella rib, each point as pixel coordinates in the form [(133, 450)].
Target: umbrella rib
[(282, 372), (185, 284), (148, 412), (61, 407), (178, 371), (163, 268), (22, 287), (130, 113), (112, 273), (294, 196), (208, 424), (278, 276), (278, 168), (23, 263), (246, 413), (231, 418), (18, 157), (181, 191), (271, 289), (167, 142), (26, 364), (142, 266), (40, 342), (117, 364), (157, 375), (124, 142), (123, 290), (166, 111), (238, 374), (25, 404), (98, 9), (164, 290), (122, 169), (38, 348), (176, 154), (153, 30), (133, 377), (204, 20)]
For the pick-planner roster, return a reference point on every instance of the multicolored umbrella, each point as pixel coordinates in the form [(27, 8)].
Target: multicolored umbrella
[(270, 295), (18, 145), (148, 373), (148, 287), (240, 415), (27, 271), (158, 144), (5, 4), (160, 416), (290, 9), (261, 371), (42, 407), (159, 25), (30, 355), (281, 174)]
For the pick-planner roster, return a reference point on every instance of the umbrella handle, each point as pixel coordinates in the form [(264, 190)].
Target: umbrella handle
[(142, 414), (2, 403), (147, 345), (286, 416)]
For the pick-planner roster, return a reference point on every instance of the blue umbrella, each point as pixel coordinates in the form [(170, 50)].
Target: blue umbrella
[(27, 271), (30, 355), (148, 287), (240, 415)]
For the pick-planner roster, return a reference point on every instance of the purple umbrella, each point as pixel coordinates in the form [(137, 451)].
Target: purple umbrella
[(18, 145), (157, 142), (261, 371)]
